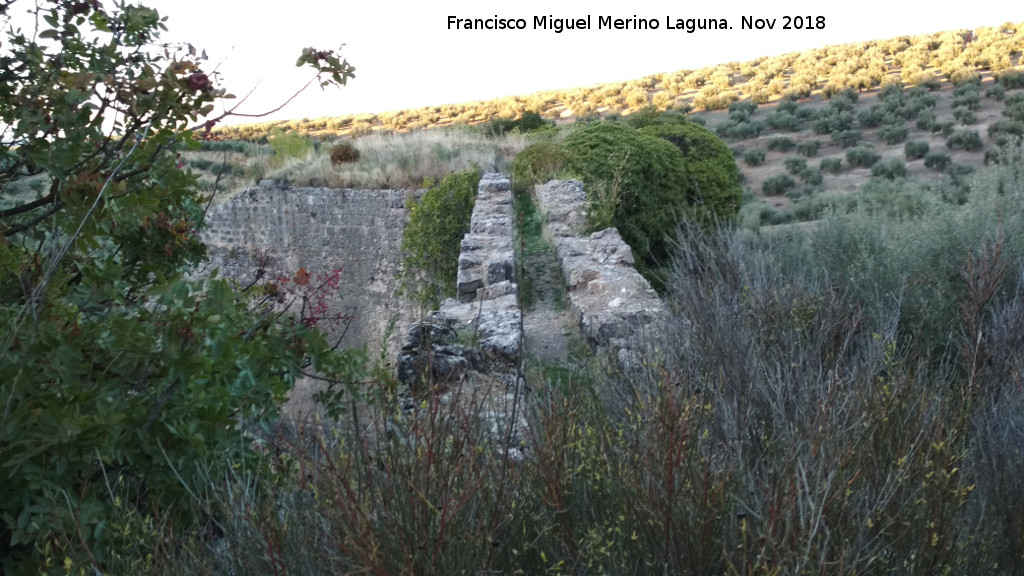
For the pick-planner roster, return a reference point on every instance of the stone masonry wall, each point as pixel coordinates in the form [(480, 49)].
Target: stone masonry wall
[(320, 230), (612, 302)]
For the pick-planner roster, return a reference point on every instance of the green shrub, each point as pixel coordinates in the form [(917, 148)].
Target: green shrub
[(958, 170), (846, 138), (873, 116), (937, 161), (926, 120), (808, 148), (742, 110), (795, 165), (754, 157), (962, 76), (915, 149), (344, 152), (928, 81), (843, 101), (811, 177), (740, 129), (863, 156), (778, 185), (536, 164), (780, 120), (1011, 78), (1014, 111), (780, 144), (996, 92), (709, 168), (432, 239), (890, 168), (968, 140), (892, 133), (965, 116), (289, 144), (831, 165), (648, 179), (828, 121), (969, 100), (1010, 127), (753, 215)]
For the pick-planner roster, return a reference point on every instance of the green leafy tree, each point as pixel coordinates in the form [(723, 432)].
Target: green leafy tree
[(121, 377)]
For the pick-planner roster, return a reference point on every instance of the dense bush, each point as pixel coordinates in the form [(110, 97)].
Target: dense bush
[(996, 92), (1014, 111), (754, 157), (965, 116), (893, 133), (778, 185), (808, 148), (795, 165), (847, 138), (1011, 79), (780, 120), (709, 169), (289, 145), (864, 156), (1001, 126), (536, 164), (811, 176), (874, 116), (344, 152), (937, 161), (740, 129), (780, 144), (968, 140), (828, 121), (926, 120), (969, 100), (831, 165), (915, 149), (432, 239), (648, 179), (890, 168)]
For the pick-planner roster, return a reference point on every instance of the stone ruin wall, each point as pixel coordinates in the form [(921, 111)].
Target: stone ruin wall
[(361, 231), (322, 229), (614, 306)]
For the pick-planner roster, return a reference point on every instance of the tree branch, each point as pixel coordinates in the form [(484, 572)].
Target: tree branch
[(28, 207)]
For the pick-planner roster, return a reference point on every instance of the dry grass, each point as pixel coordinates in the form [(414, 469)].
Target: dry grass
[(386, 161)]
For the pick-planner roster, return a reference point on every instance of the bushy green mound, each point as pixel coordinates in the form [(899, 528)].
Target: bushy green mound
[(644, 181), (715, 194), (536, 164)]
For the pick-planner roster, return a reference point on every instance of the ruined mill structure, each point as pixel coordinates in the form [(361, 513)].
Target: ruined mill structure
[(279, 229)]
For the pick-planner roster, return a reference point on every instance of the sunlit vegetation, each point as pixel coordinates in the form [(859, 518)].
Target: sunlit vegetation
[(958, 56)]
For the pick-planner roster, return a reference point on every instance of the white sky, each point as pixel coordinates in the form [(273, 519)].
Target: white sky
[(406, 57)]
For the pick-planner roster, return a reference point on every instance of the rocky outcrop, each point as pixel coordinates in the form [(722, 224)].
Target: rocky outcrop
[(612, 302)]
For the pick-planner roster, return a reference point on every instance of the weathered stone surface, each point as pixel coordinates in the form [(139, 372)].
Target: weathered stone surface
[(485, 313), (282, 229), (612, 302)]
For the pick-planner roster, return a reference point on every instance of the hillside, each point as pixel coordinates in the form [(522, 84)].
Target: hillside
[(954, 55)]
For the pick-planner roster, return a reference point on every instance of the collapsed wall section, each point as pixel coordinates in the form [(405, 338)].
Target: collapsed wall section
[(613, 304), (471, 347), (282, 229)]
